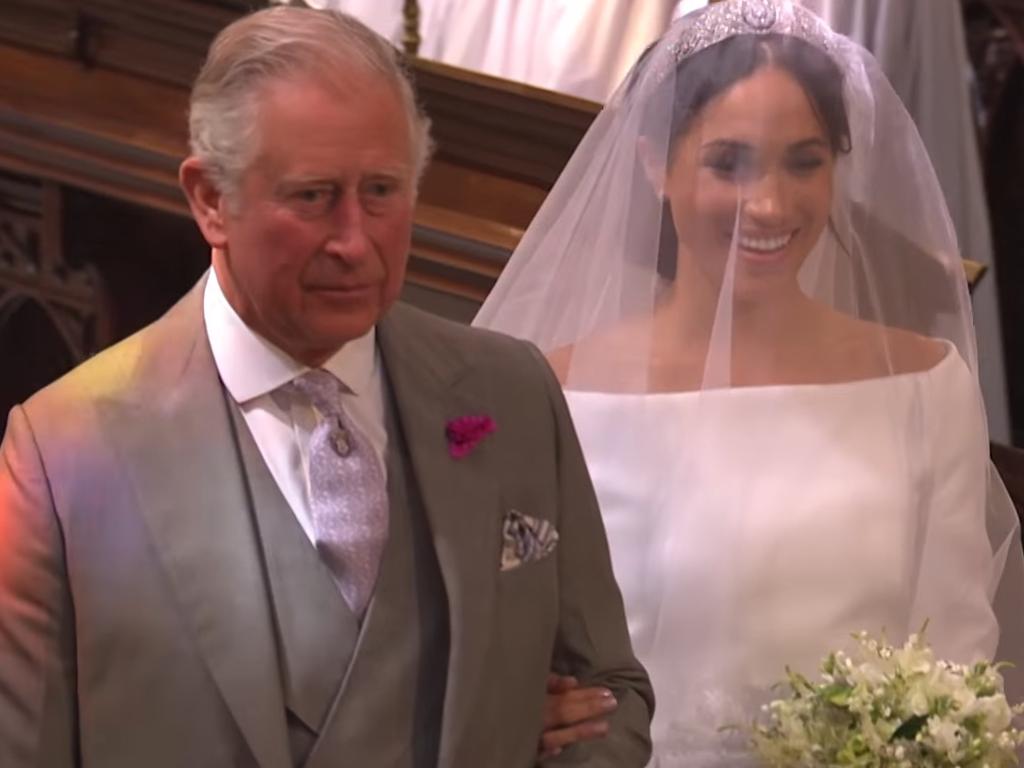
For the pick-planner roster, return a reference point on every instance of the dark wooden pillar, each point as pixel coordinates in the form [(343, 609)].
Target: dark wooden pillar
[(53, 312)]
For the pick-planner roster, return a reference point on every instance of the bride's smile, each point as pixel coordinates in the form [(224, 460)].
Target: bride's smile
[(765, 245)]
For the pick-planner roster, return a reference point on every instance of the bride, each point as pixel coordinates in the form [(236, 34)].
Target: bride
[(749, 286)]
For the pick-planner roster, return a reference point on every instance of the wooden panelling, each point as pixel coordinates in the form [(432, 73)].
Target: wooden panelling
[(163, 40), (504, 128), (100, 130), (93, 94)]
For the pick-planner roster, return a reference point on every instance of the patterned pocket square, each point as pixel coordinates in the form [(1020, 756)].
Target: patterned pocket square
[(525, 539)]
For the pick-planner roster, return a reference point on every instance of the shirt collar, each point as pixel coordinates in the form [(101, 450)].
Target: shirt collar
[(251, 366)]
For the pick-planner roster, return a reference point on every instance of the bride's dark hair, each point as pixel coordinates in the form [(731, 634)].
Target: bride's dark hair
[(706, 74)]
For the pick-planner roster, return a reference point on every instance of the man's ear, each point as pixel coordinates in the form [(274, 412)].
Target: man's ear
[(206, 201), (654, 169)]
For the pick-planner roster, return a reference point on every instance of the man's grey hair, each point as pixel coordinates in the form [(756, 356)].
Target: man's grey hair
[(277, 43)]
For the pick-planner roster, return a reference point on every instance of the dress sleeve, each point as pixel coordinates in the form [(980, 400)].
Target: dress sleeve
[(956, 559)]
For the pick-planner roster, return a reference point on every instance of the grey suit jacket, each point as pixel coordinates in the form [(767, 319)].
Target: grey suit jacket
[(134, 618)]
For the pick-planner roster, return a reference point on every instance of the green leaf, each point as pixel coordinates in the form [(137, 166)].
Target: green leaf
[(837, 694), (910, 728)]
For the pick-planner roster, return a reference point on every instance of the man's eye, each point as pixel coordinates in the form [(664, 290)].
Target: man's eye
[(381, 188), (311, 195), (312, 201)]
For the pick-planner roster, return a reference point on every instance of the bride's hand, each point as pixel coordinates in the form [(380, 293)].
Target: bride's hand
[(573, 714)]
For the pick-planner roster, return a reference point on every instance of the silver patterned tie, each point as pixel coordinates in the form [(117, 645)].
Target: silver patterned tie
[(348, 497)]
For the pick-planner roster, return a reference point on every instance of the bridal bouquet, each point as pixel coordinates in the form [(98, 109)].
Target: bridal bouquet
[(888, 707)]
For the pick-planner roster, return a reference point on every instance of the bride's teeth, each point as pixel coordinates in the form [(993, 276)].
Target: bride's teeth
[(764, 244)]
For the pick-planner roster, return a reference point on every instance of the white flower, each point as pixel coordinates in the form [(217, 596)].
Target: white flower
[(861, 702), (867, 675), (965, 699), (914, 658), (917, 702), (995, 710), (945, 736)]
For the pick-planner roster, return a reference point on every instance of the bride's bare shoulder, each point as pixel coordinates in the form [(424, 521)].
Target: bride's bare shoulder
[(608, 351), (893, 350), (559, 360), (913, 352)]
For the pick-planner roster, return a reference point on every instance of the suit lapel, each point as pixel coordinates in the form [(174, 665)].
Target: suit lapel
[(178, 451), (431, 385)]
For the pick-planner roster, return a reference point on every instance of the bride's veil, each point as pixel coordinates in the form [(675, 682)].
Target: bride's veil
[(641, 278)]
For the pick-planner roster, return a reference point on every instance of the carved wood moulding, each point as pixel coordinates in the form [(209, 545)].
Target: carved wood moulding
[(500, 126), (93, 93), (33, 268), (123, 137), (995, 40), (162, 40), (510, 129), (1011, 14)]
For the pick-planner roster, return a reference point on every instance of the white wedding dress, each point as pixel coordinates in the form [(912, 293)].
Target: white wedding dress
[(755, 528)]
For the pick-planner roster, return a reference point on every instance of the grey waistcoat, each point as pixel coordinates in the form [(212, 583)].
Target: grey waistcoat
[(369, 695)]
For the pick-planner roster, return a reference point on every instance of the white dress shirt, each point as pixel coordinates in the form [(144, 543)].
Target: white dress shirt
[(252, 369)]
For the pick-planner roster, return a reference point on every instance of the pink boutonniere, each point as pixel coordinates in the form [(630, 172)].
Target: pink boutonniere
[(465, 432)]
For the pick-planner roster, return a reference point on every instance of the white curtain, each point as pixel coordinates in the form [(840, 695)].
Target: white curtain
[(581, 47)]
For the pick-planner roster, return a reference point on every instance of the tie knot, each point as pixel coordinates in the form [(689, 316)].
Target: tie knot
[(322, 388)]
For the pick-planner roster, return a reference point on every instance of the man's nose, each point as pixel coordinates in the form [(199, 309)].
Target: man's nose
[(348, 239)]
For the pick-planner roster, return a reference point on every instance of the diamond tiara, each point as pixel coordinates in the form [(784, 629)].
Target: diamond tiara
[(750, 17)]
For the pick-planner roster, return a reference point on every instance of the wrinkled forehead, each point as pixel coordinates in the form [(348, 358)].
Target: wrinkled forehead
[(350, 86), (322, 121), (344, 77)]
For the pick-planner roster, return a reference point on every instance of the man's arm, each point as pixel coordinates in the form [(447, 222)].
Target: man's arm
[(37, 655), (593, 640)]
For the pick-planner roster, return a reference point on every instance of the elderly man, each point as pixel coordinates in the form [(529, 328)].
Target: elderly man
[(290, 523)]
